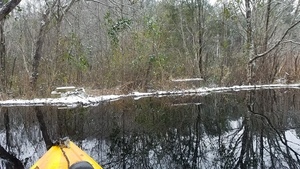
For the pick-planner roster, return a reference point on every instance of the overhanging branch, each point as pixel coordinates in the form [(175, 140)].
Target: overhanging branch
[(275, 45)]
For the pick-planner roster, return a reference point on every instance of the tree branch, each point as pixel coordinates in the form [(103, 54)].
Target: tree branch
[(102, 3), (8, 7), (66, 8), (276, 44), (291, 41)]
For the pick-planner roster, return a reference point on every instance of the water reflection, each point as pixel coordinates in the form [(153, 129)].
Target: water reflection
[(252, 129)]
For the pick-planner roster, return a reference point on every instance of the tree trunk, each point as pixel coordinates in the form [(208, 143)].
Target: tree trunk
[(265, 46), (200, 37), (248, 41), (266, 38), (2, 57), (38, 51), (7, 8)]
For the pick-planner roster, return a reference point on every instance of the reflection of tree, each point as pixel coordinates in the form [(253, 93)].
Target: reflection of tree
[(269, 139), (11, 161), (173, 137), (28, 129), (7, 127), (276, 121), (43, 127), (219, 132), (71, 122), (233, 130)]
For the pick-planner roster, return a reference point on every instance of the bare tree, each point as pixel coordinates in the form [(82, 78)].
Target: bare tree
[(5, 10), (47, 17), (270, 31)]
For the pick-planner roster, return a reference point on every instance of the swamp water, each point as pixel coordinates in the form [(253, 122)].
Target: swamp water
[(245, 129)]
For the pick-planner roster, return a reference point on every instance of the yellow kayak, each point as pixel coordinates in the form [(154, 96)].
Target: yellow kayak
[(66, 156)]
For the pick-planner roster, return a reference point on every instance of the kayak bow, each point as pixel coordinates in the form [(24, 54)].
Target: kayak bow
[(66, 155)]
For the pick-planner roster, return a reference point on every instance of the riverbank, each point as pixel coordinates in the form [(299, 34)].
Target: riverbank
[(79, 100)]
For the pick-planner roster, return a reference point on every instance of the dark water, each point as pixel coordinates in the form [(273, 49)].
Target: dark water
[(252, 129)]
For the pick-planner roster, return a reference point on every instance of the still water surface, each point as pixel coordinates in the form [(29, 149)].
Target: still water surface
[(249, 129)]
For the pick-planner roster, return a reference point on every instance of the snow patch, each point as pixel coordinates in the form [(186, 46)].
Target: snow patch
[(75, 100)]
